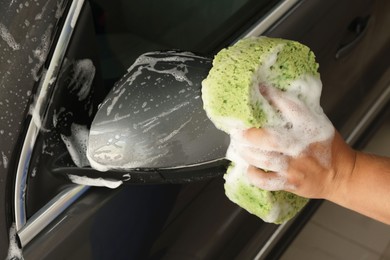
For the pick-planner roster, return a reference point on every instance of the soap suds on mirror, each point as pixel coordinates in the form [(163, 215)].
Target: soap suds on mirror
[(149, 63), (157, 106)]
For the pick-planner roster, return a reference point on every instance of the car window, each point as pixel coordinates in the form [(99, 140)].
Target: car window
[(203, 26), (122, 32), (109, 36)]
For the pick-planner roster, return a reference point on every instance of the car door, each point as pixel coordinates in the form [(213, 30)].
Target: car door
[(56, 219), (26, 30), (355, 80)]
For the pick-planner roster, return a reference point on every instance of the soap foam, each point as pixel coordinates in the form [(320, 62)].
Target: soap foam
[(112, 153), (302, 121), (77, 144), (295, 119), (275, 210), (99, 182), (276, 87), (14, 251), (5, 159), (8, 38), (81, 82), (41, 52), (277, 180), (149, 62)]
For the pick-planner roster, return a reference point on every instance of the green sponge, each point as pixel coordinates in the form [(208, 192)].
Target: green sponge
[(231, 100), (227, 92), (271, 206)]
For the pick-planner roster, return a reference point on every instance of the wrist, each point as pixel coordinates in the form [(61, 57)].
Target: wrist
[(343, 169)]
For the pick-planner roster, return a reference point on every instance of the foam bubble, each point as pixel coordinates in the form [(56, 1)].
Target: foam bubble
[(295, 120), (40, 15), (14, 251), (276, 211), (149, 62), (81, 82), (5, 159), (301, 112), (99, 182), (77, 144), (41, 52), (115, 100), (8, 38)]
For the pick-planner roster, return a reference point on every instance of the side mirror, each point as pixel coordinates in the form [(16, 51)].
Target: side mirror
[(153, 122)]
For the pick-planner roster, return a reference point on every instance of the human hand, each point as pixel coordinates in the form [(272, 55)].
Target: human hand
[(306, 174), (299, 152)]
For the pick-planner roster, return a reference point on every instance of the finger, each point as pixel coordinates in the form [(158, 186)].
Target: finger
[(255, 136), (263, 138), (233, 154), (267, 160), (269, 181), (287, 104)]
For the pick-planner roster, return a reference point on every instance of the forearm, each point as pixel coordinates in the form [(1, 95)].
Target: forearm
[(367, 188)]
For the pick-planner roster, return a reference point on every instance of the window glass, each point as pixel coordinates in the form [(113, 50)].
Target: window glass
[(125, 29)]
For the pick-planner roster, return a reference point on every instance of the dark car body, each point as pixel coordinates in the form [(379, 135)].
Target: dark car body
[(45, 43)]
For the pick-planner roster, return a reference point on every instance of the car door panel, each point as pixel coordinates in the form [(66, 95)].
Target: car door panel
[(325, 34), (25, 43), (195, 220)]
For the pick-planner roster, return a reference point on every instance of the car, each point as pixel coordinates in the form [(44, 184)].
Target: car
[(61, 58)]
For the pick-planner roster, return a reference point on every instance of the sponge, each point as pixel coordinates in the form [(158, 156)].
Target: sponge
[(232, 101)]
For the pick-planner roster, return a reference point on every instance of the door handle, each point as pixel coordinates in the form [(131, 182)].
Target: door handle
[(358, 28)]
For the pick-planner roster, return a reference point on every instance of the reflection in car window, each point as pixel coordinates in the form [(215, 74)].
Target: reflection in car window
[(124, 31)]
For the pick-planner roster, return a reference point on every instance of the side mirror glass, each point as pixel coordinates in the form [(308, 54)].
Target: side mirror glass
[(153, 118)]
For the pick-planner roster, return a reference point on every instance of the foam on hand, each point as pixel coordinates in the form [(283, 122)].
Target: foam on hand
[(233, 100)]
